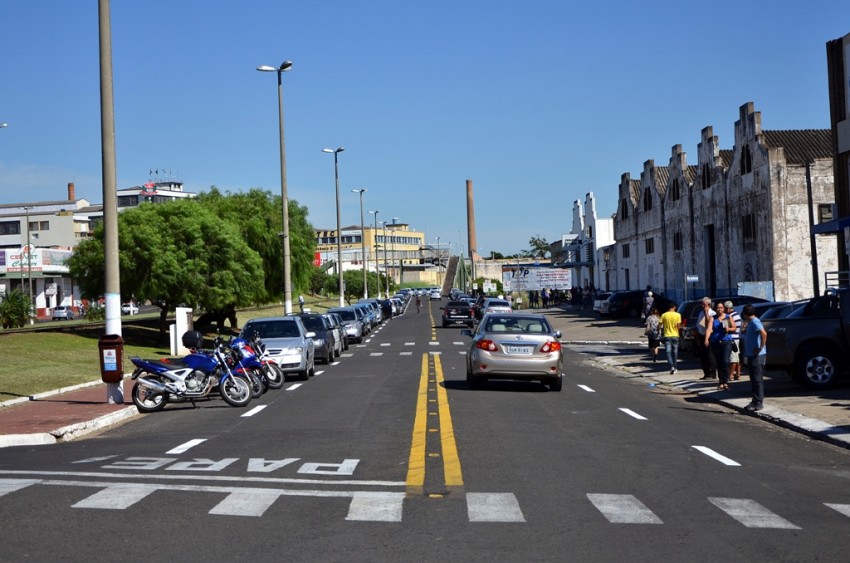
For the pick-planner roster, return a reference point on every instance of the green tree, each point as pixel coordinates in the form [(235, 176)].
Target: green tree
[(257, 216), (14, 309), (539, 247), (172, 254)]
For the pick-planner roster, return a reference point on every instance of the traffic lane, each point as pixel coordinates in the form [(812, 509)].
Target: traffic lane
[(560, 448)]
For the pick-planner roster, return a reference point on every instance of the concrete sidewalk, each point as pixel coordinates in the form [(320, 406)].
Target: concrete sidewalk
[(619, 345)]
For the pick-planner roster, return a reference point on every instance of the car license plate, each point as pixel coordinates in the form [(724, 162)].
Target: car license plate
[(523, 350)]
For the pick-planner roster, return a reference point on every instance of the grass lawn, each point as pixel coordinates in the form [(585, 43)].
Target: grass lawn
[(38, 361)]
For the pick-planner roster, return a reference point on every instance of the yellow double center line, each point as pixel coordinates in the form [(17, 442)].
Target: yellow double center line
[(420, 452)]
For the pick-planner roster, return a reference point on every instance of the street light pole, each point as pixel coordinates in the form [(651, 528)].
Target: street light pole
[(377, 272), (361, 191), (336, 152), (386, 269), (287, 257), (28, 248)]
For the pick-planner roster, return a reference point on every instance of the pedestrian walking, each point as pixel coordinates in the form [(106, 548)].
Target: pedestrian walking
[(418, 304), (755, 352), (648, 300), (671, 322), (718, 336), (653, 332), (301, 302)]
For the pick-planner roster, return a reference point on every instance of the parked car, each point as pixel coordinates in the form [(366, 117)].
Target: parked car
[(63, 313), (492, 305), (353, 321), (288, 342), (375, 306), (130, 308), (323, 335), (338, 333), (811, 343), (598, 300), (434, 294), (457, 312), (514, 346)]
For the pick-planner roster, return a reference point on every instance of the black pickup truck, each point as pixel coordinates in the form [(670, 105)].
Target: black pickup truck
[(813, 342)]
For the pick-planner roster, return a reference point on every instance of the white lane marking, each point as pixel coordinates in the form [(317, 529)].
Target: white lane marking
[(334, 363), (633, 414), (462, 352), (437, 353), (458, 343), (586, 388), (371, 506), (207, 478), (348, 355), (410, 343), (188, 445), (386, 344), (434, 343), (117, 496), (493, 507), (95, 459), (294, 387), (11, 485), (320, 372), (376, 353), (254, 411), (405, 353), (841, 508), (623, 509), (368, 340), (751, 514), (247, 502), (361, 345), (713, 454)]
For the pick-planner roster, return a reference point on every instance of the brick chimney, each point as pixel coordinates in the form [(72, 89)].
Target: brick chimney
[(72, 196)]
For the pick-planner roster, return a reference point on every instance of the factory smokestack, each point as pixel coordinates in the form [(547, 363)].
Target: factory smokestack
[(472, 244)]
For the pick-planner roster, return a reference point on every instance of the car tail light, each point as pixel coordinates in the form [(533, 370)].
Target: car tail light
[(552, 346), (485, 344)]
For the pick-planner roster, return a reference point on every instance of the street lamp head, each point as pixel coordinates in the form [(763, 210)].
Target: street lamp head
[(2, 125), (360, 191), (284, 66), (334, 151)]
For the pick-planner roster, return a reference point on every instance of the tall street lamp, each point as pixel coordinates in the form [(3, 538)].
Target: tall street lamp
[(361, 191), (28, 248), (287, 259), (377, 272), (336, 152), (386, 269)]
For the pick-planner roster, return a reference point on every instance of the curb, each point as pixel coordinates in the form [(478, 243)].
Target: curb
[(68, 433)]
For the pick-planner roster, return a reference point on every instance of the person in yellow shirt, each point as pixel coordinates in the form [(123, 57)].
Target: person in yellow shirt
[(671, 322)]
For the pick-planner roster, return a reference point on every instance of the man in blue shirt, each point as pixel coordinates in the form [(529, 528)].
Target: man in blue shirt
[(755, 351)]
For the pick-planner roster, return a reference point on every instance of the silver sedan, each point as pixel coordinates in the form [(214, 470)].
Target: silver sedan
[(514, 346)]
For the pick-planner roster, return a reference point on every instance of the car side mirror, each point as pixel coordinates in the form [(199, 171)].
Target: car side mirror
[(465, 332), (558, 334)]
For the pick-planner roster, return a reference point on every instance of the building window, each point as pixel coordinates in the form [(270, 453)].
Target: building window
[(647, 199), (706, 176), (746, 160), (825, 212), (748, 231), (677, 240), (10, 228), (624, 209), (625, 250), (606, 255), (650, 245), (675, 192)]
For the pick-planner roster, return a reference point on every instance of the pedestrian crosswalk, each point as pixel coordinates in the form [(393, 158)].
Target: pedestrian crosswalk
[(389, 506)]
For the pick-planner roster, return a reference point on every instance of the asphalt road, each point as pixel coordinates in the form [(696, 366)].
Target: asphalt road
[(387, 456)]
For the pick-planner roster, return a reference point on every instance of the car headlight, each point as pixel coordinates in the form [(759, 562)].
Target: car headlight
[(319, 341), (296, 350)]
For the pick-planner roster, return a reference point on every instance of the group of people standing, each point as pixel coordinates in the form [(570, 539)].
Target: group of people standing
[(722, 337)]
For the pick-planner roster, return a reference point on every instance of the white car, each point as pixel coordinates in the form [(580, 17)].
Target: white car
[(130, 309), (435, 294)]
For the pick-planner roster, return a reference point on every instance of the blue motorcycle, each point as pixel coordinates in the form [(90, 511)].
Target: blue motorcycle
[(192, 377)]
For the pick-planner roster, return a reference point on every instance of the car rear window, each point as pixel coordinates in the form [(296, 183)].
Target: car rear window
[(273, 329), (498, 303)]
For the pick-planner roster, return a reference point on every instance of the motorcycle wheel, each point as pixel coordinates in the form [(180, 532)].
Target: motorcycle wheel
[(274, 376), (258, 387), (236, 391), (148, 399)]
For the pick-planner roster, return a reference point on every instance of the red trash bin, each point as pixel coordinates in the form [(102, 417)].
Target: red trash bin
[(111, 350)]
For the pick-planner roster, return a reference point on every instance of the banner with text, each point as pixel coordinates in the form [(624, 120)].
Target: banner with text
[(531, 278)]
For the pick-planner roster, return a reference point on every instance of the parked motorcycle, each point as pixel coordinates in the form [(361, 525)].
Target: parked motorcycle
[(254, 354), (192, 377)]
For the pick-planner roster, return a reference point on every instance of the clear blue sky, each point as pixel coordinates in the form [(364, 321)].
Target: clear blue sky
[(537, 102)]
